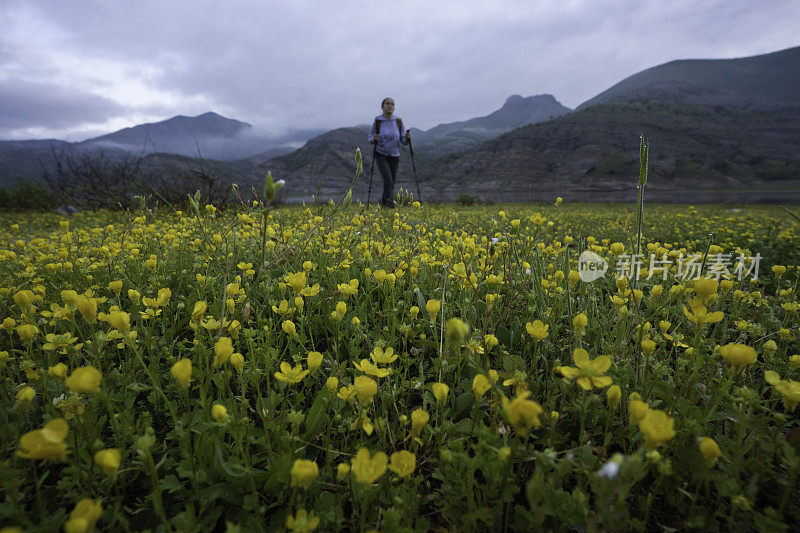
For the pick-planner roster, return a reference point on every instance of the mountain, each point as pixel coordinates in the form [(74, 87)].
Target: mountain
[(210, 136), (515, 112), (766, 81), (722, 130)]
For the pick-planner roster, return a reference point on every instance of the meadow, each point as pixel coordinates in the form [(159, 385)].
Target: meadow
[(434, 367)]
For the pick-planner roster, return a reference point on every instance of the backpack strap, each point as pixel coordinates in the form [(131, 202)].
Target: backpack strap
[(399, 122)]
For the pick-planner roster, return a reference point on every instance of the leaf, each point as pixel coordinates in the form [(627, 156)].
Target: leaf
[(504, 336), (315, 416), (513, 362), (171, 484), (463, 403), (231, 473)]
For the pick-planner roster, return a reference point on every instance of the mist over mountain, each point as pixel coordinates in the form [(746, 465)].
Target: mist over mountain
[(209, 136)]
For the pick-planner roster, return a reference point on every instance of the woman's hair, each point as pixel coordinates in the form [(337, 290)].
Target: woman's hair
[(384, 101)]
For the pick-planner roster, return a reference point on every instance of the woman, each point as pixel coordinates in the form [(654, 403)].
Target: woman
[(388, 132)]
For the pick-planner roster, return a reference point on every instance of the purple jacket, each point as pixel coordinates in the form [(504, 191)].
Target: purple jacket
[(389, 138)]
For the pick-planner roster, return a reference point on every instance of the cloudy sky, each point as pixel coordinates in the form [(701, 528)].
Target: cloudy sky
[(75, 69)]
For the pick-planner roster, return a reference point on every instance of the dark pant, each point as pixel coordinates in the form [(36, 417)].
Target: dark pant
[(387, 166)]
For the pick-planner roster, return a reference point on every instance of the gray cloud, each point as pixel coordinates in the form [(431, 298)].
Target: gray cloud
[(329, 63), (47, 105)]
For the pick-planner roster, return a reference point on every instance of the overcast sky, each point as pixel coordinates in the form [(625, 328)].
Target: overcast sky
[(76, 69)]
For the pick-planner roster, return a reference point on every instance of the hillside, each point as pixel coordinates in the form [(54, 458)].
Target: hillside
[(325, 163), (763, 82), (593, 154)]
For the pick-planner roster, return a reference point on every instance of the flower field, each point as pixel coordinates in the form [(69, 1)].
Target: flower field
[(430, 368)]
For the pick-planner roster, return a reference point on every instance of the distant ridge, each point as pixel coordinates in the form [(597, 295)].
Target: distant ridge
[(767, 81)]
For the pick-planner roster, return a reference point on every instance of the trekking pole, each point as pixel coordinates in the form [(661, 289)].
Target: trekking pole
[(414, 166), (371, 172)]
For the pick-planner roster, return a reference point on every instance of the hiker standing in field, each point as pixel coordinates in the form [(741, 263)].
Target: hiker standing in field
[(388, 132)]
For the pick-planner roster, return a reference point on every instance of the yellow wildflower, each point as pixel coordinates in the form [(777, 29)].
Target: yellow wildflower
[(223, 349), (24, 299), (199, 310), (296, 281), (613, 396), (304, 472), (638, 409), (770, 347), (371, 369), (738, 355), (121, 321), (302, 521), (314, 360), (368, 469), (648, 347), (83, 518), (700, 315), (657, 428), (523, 414), (291, 375), (46, 443), (480, 384), (365, 389), (26, 395), (108, 460), (440, 391), (332, 384), (537, 329), (219, 413), (347, 393), (342, 470), (710, 450), (589, 373), (288, 327), (85, 379), (456, 330), (579, 323), (60, 342), (788, 389), (88, 309), (182, 372), (418, 420), (403, 463), (237, 360), (57, 371), (433, 307), (382, 357), (27, 332), (134, 296), (706, 289)]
